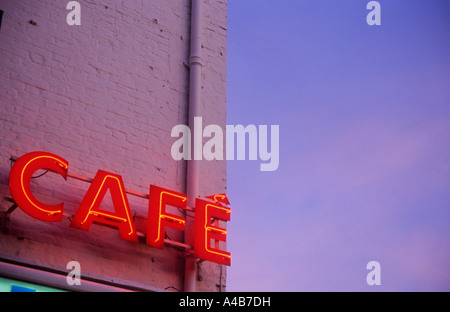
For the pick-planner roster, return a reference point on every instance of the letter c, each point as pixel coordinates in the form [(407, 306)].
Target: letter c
[(19, 184)]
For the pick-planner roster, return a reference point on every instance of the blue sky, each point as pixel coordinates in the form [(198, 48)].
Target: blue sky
[(364, 115)]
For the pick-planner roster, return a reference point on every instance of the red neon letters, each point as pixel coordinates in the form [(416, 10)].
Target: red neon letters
[(19, 184), (206, 231), (89, 210), (158, 218), (207, 213)]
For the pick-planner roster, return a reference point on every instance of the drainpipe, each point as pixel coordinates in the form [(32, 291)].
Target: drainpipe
[(192, 179)]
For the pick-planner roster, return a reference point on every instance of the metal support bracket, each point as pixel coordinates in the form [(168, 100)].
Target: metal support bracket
[(5, 216)]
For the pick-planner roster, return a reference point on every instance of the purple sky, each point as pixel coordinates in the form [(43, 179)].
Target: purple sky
[(364, 115)]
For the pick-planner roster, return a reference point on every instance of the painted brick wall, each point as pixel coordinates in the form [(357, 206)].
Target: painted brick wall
[(105, 95)]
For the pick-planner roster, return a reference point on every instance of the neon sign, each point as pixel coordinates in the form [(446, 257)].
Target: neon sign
[(19, 184), (206, 230), (158, 219), (89, 210), (208, 214)]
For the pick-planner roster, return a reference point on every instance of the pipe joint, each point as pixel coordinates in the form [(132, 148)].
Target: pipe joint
[(195, 60)]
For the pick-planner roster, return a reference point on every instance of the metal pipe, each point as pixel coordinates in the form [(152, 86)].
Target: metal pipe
[(192, 175)]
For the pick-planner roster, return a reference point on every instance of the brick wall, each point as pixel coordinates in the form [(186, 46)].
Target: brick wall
[(105, 95)]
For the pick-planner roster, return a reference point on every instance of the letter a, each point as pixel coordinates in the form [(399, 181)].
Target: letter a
[(74, 16), (374, 276), (184, 143), (73, 278), (89, 210), (374, 17)]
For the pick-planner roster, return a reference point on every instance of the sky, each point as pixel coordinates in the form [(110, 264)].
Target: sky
[(364, 116)]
